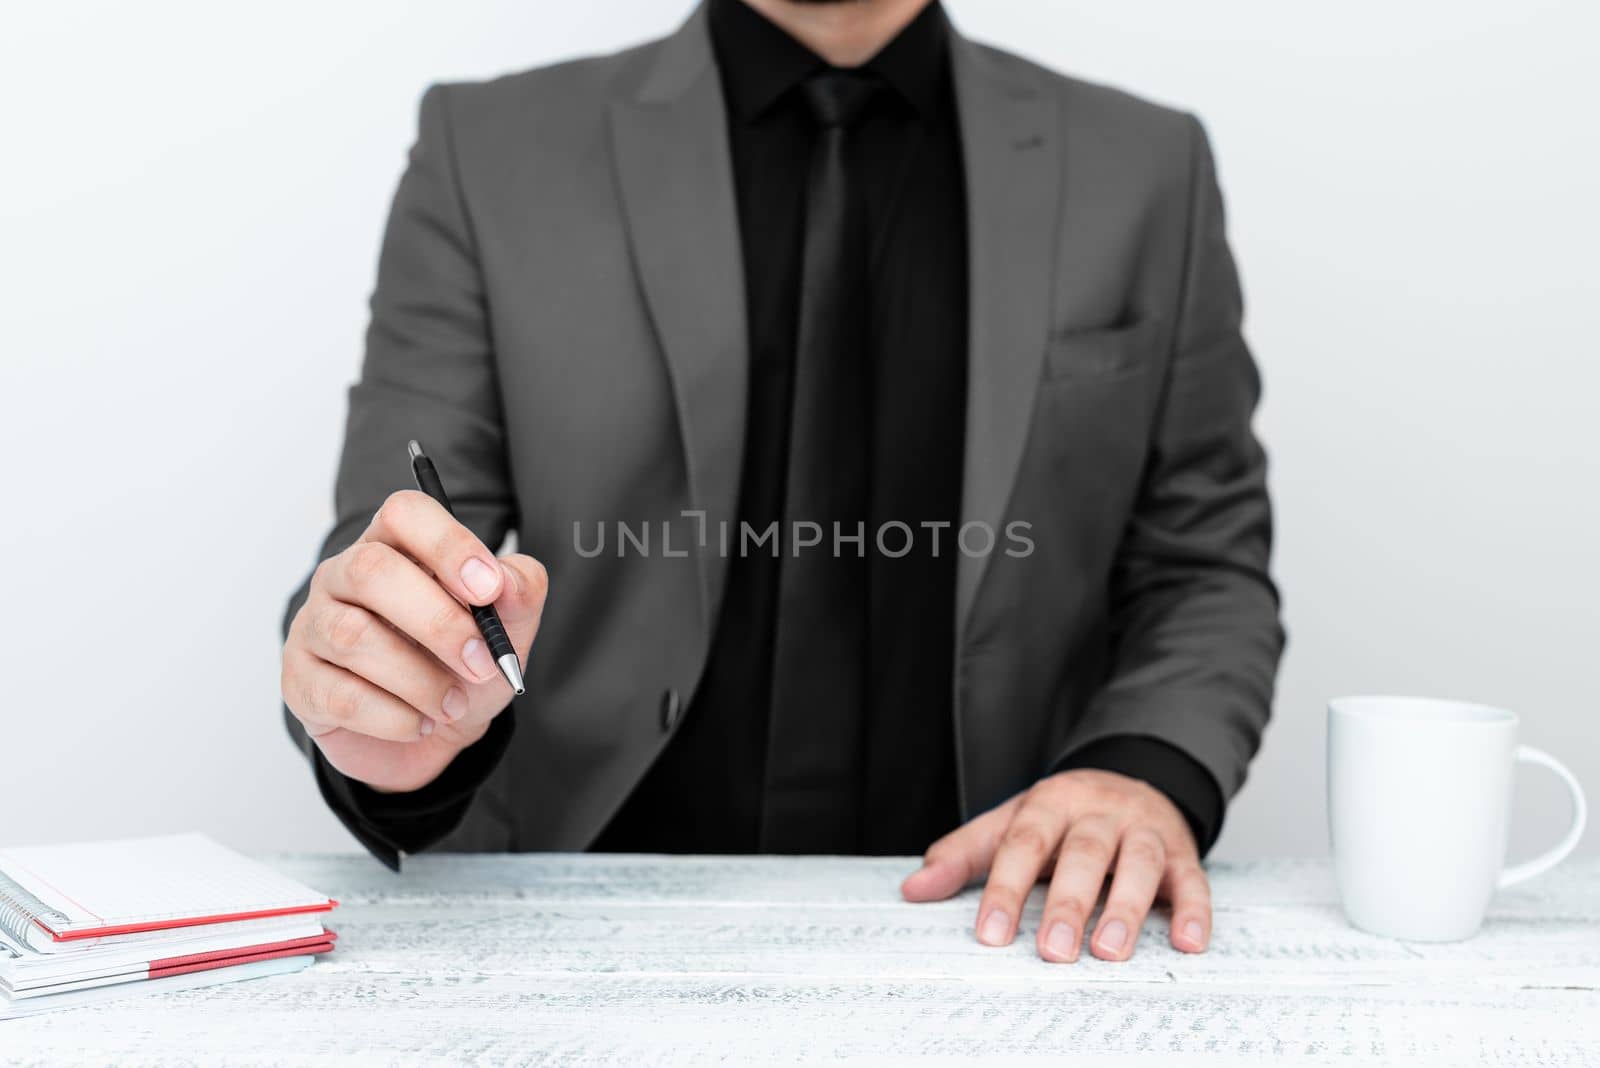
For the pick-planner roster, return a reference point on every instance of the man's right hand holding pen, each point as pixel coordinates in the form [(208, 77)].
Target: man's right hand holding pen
[(384, 665)]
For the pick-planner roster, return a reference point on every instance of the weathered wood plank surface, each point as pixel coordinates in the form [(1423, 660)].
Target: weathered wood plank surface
[(593, 959)]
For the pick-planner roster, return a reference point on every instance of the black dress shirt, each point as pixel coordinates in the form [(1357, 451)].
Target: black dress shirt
[(704, 792)]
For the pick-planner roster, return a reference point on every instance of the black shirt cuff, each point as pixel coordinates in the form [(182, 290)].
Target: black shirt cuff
[(1169, 769), (390, 825)]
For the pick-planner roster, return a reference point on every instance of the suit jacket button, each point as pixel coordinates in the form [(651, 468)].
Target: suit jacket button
[(671, 710)]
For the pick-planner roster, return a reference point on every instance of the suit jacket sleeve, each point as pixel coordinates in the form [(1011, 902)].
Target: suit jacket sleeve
[(1195, 636), (428, 374), (1175, 773)]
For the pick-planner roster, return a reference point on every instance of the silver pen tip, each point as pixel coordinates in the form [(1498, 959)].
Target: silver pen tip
[(513, 673), (413, 448)]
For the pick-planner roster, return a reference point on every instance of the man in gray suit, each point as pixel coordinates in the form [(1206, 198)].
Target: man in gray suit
[(876, 406)]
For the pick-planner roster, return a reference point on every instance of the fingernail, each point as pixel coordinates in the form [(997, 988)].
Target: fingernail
[(996, 927), (1061, 940), (476, 656), (1112, 936), (426, 728), (478, 578), (1194, 932), (455, 703)]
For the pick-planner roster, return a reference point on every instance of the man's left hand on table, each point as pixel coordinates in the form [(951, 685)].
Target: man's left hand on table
[(1073, 829)]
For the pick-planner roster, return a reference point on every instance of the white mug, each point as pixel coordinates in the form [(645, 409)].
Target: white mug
[(1419, 796)]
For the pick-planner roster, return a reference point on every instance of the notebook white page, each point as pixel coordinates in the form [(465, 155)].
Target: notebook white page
[(10, 1009), (94, 885)]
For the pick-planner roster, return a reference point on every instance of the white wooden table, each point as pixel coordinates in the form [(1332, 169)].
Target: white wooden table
[(557, 959)]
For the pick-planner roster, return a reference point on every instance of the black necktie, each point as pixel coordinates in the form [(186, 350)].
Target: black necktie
[(813, 777)]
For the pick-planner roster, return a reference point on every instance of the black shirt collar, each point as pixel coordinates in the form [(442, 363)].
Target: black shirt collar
[(760, 62)]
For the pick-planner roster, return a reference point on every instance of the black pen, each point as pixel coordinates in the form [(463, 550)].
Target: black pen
[(488, 620)]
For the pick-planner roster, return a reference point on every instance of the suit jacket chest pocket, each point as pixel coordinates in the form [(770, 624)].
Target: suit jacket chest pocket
[(1100, 355), (1096, 405)]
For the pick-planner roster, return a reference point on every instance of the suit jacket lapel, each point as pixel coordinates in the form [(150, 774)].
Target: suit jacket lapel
[(669, 139), (1012, 145), (670, 144)]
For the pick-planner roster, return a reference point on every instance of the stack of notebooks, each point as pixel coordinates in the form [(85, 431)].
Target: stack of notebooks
[(83, 923)]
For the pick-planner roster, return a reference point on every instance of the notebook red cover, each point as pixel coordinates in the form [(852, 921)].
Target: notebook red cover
[(199, 962), (187, 921)]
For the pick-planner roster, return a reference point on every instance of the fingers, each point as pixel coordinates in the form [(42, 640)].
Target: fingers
[(521, 601), (418, 526), (1141, 861), (959, 857), (351, 637), (325, 696), (390, 585), (1086, 855), (1187, 887), (1092, 824), (1025, 849)]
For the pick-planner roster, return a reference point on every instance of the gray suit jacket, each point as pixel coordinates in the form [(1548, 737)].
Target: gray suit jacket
[(559, 317)]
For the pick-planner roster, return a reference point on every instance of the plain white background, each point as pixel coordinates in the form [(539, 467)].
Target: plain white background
[(191, 196)]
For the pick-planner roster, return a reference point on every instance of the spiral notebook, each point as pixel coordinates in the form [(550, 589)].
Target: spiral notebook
[(62, 897)]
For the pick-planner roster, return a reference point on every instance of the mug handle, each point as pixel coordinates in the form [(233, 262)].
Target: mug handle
[(1527, 754)]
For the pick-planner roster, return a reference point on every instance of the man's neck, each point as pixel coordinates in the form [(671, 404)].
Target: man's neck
[(846, 33)]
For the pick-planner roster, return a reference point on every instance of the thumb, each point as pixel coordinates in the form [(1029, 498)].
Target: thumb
[(521, 602), (959, 857), (938, 878)]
